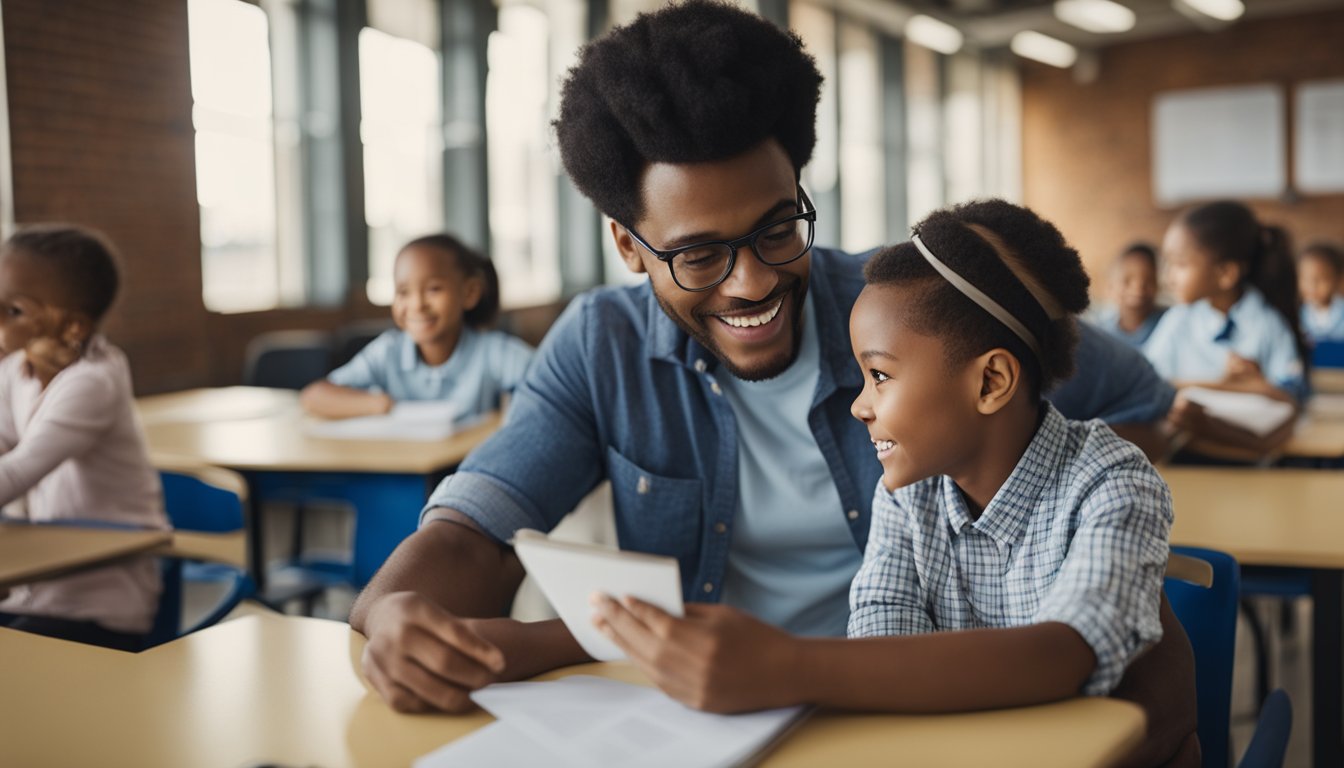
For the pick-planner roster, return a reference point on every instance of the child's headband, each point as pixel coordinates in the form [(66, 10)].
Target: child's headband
[(979, 297)]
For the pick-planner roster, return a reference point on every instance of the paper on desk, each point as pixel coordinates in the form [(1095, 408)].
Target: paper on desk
[(584, 721), (569, 573), (421, 421), (1256, 413)]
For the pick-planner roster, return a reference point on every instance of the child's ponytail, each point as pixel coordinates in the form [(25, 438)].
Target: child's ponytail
[(1274, 272)]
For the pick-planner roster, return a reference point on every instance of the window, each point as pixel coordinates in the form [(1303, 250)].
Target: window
[(242, 269), (402, 131), (523, 166)]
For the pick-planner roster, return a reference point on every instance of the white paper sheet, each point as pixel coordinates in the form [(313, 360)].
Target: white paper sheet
[(592, 721), (424, 421), (1256, 413), (569, 573), (497, 745)]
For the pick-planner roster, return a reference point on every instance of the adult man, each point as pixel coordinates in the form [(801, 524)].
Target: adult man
[(715, 396)]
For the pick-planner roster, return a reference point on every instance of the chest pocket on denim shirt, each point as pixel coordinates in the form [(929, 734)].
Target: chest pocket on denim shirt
[(655, 513)]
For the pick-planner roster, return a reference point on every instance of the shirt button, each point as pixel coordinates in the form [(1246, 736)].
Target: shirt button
[(714, 386), (709, 587), (720, 528), (642, 487), (700, 366), (852, 514)]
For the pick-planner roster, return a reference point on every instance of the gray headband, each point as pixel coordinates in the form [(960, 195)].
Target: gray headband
[(979, 297)]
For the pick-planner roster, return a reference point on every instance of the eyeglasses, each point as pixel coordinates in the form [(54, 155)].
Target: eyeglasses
[(701, 266)]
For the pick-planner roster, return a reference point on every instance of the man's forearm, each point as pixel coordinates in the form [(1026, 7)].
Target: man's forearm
[(451, 565)]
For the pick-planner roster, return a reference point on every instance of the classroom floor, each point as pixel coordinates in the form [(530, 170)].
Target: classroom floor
[(329, 528)]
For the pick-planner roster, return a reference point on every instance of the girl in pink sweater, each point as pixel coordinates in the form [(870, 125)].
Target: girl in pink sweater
[(71, 447)]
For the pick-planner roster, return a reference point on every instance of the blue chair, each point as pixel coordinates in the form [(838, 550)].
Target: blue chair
[(205, 507), (1208, 612), (287, 359), (1327, 354)]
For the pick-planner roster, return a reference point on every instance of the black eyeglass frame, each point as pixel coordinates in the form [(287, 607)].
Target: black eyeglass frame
[(809, 215)]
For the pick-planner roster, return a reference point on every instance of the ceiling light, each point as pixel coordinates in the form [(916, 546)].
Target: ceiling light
[(932, 33), (1045, 49), (1100, 16), (1222, 10)]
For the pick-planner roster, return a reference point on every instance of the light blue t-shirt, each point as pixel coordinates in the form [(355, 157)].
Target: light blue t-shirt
[(1108, 319), (1327, 325), (484, 364), (1192, 342), (792, 555)]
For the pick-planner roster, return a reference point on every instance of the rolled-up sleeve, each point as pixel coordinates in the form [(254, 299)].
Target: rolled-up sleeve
[(545, 458), (885, 597), (1109, 587)]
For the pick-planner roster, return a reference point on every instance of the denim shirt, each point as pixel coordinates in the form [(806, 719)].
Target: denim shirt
[(618, 391)]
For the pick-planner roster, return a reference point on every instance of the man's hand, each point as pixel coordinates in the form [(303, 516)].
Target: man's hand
[(716, 658), (421, 658)]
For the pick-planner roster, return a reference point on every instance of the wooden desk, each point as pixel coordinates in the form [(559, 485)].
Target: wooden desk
[(1327, 379), (1319, 435), (260, 433), (36, 552), (1280, 517), (282, 689)]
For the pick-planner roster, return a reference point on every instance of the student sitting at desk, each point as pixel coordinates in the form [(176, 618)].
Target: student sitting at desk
[(71, 445), (1319, 269), (714, 395), (1041, 541), (1236, 326), (1133, 289), (445, 294)]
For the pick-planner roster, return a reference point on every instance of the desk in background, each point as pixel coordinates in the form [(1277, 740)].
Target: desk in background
[(1280, 517), (36, 552), (282, 689), (259, 432)]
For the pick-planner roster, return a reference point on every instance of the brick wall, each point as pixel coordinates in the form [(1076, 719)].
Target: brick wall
[(101, 134), (1086, 147)]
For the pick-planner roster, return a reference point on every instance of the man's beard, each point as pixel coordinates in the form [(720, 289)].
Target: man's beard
[(794, 293)]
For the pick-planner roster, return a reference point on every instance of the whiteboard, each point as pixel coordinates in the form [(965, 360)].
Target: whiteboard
[(1318, 136), (1219, 142)]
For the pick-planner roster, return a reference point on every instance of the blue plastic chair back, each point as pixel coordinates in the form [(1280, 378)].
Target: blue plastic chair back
[(1209, 616), (1328, 354), (195, 505), (287, 359), (1269, 745)]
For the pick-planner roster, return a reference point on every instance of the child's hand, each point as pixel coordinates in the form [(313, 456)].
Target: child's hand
[(716, 658), (46, 357), (1241, 369)]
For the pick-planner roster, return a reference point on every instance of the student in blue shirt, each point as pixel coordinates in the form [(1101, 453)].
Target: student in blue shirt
[(1133, 289), (1236, 326), (666, 388), (1037, 543), (1319, 269), (445, 295)]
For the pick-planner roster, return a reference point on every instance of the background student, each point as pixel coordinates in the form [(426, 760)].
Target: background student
[(1319, 270), (1236, 324), (1133, 292), (1042, 541), (446, 294), (71, 447)]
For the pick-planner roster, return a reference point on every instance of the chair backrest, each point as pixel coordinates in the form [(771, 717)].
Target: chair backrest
[(204, 499), (1328, 354), (1209, 616), (287, 359), (1269, 743)]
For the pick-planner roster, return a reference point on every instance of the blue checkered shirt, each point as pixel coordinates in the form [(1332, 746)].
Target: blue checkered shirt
[(1077, 534)]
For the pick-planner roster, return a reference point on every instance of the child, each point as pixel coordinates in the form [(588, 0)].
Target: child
[(71, 447), (1319, 269), (1134, 291), (1236, 324), (1044, 539), (445, 292)]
